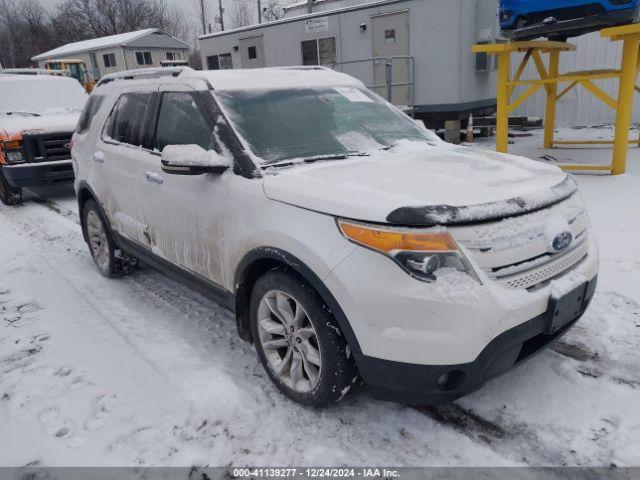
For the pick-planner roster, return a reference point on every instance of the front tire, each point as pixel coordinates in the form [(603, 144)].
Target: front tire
[(111, 261), (298, 341), (9, 195)]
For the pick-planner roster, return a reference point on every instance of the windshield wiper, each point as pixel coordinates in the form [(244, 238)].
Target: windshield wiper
[(317, 158), (18, 112)]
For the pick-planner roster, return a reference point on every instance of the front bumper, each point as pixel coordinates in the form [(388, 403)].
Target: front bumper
[(424, 385), (38, 174), (573, 27)]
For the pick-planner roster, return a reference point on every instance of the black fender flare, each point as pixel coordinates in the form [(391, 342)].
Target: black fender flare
[(83, 187), (290, 261)]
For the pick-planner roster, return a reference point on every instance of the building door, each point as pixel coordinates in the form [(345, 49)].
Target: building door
[(252, 52), (94, 67), (390, 35)]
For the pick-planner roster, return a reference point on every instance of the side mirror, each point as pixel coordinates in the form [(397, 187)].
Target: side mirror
[(192, 160)]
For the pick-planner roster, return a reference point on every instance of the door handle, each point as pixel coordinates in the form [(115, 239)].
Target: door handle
[(154, 177), (98, 157)]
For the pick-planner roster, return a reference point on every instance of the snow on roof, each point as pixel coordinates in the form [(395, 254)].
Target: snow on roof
[(273, 78), (297, 18), (95, 44), (304, 3)]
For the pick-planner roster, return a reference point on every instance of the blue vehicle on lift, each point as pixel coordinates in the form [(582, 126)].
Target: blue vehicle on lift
[(561, 19)]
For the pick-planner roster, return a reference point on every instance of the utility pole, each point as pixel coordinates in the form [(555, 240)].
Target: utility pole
[(202, 17), (309, 6), (259, 11), (221, 15)]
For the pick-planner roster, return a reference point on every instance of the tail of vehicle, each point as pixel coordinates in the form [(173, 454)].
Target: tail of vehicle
[(74, 68), (528, 19)]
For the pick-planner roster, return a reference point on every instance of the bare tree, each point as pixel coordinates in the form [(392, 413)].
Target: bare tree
[(99, 18), (242, 14), (203, 13), (24, 30), (272, 10), (195, 59), (27, 28)]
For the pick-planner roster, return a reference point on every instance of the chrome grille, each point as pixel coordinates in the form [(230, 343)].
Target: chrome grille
[(554, 266), (47, 147), (515, 252)]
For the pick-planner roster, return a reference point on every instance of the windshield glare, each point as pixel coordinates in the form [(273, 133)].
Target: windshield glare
[(282, 125)]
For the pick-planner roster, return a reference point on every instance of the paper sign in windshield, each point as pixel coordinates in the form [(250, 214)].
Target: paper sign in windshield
[(353, 94)]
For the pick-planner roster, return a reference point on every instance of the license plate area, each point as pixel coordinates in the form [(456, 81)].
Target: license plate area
[(566, 308)]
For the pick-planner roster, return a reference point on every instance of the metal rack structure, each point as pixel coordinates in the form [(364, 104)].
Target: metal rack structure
[(550, 79)]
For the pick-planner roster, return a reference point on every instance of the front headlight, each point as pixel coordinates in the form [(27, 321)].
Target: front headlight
[(505, 15), (14, 156), (12, 150), (420, 254)]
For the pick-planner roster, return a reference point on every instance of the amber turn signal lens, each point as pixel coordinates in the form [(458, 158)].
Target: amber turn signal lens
[(12, 144), (388, 241)]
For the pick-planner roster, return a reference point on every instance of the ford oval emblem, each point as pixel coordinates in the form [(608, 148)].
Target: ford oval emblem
[(561, 241)]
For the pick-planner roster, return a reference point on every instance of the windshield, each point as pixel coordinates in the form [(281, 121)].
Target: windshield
[(282, 125), (40, 95)]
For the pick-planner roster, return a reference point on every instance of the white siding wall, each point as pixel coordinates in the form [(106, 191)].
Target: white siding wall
[(580, 107), (441, 33)]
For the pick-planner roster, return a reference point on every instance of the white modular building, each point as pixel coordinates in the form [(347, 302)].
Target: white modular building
[(415, 52)]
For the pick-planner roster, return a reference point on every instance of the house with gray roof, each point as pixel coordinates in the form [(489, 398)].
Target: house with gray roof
[(125, 51)]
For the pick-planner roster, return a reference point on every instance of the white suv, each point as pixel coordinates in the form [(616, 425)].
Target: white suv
[(350, 242)]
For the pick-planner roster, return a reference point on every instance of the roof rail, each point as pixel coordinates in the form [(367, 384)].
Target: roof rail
[(157, 72), (303, 67)]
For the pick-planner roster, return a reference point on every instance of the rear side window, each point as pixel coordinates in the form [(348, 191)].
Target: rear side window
[(181, 123), (90, 109), (128, 118)]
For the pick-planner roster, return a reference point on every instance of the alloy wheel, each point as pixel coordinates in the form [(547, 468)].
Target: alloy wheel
[(98, 241), (289, 341)]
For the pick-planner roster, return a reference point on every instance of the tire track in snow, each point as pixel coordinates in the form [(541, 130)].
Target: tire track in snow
[(85, 292), (517, 441)]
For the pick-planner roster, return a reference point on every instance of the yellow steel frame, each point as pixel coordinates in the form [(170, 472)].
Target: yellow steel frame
[(550, 78)]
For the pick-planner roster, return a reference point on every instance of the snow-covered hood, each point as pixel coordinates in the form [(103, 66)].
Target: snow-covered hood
[(422, 186), (45, 123)]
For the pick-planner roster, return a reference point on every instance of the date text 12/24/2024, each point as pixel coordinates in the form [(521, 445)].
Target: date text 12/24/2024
[(315, 472)]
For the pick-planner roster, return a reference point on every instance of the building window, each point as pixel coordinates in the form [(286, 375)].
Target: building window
[(483, 60), (252, 52), (220, 62), (389, 37), (225, 61), (109, 60), (213, 62), (144, 58), (174, 55), (321, 51)]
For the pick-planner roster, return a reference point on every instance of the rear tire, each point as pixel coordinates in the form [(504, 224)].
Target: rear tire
[(298, 340), (8, 194), (111, 261)]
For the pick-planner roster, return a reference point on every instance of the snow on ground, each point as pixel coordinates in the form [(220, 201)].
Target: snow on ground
[(142, 371)]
